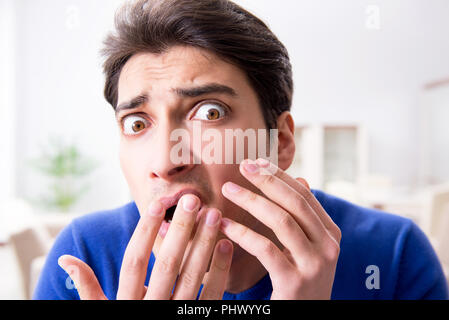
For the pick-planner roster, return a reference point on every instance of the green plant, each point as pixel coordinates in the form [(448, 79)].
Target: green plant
[(65, 167)]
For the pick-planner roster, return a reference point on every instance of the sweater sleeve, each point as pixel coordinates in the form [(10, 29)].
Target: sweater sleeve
[(420, 275), (54, 283)]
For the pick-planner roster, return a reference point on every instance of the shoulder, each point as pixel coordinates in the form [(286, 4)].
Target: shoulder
[(103, 235), (368, 235), (363, 222), (104, 225), (408, 264)]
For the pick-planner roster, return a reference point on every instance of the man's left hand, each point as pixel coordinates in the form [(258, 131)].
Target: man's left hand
[(305, 267)]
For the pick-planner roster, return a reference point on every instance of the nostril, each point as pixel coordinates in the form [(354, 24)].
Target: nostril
[(163, 174), (176, 170)]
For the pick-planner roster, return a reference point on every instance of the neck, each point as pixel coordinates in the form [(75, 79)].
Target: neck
[(245, 272)]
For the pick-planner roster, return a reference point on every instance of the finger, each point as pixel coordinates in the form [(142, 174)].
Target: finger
[(285, 196), (135, 261), (171, 252), (83, 277), (215, 281), (271, 257), (284, 226), (304, 190), (303, 182), (195, 265)]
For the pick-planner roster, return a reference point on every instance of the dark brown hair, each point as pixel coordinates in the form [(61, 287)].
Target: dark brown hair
[(219, 26)]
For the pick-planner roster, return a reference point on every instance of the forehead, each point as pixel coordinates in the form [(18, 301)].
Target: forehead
[(177, 67)]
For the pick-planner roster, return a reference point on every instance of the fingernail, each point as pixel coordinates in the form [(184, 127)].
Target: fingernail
[(251, 167), (263, 162), (67, 268), (225, 247), (61, 262), (155, 209), (232, 187), (189, 203), (212, 217)]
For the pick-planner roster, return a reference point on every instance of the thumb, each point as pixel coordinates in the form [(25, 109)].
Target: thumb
[(83, 277)]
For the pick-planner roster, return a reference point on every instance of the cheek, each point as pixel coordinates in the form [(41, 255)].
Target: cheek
[(132, 165), (124, 161)]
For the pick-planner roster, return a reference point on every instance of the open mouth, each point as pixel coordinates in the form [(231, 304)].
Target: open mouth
[(169, 213), (171, 202)]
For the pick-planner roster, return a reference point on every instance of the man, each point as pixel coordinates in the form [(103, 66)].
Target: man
[(222, 229)]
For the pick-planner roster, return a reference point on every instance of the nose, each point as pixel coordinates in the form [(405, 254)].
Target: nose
[(164, 165), (168, 172)]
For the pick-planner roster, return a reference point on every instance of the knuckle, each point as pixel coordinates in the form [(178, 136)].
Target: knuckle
[(268, 248), (300, 203), (167, 265), (145, 223), (221, 266), (268, 179), (243, 232), (206, 241), (251, 196), (134, 265), (332, 251), (181, 225), (338, 233), (284, 221), (308, 196), (190, 279)]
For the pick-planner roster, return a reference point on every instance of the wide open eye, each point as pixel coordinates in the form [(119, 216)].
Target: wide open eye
[(133, 124), (210, 111)]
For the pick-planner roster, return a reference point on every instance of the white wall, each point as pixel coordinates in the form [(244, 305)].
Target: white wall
[(346, 71), (7, 76), (343, 71), (60, 92)]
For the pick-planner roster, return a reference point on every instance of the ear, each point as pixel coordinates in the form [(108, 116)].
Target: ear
[(286, 140)]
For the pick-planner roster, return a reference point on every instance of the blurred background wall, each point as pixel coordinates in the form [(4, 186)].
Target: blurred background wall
[(57, 91)]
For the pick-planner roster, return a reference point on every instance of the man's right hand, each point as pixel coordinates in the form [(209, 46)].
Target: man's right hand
[(169, 262)]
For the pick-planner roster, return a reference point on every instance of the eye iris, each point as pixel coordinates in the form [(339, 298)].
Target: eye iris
[(213, 114), (138, 126)]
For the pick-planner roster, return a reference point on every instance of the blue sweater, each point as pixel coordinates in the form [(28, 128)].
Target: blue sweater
[(382, 256)]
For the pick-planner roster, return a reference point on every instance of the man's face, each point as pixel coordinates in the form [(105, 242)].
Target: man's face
[(174, 90)]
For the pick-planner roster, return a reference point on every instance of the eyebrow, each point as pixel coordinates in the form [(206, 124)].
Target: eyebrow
[(133, 104), (205, 89), (182, 92)]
